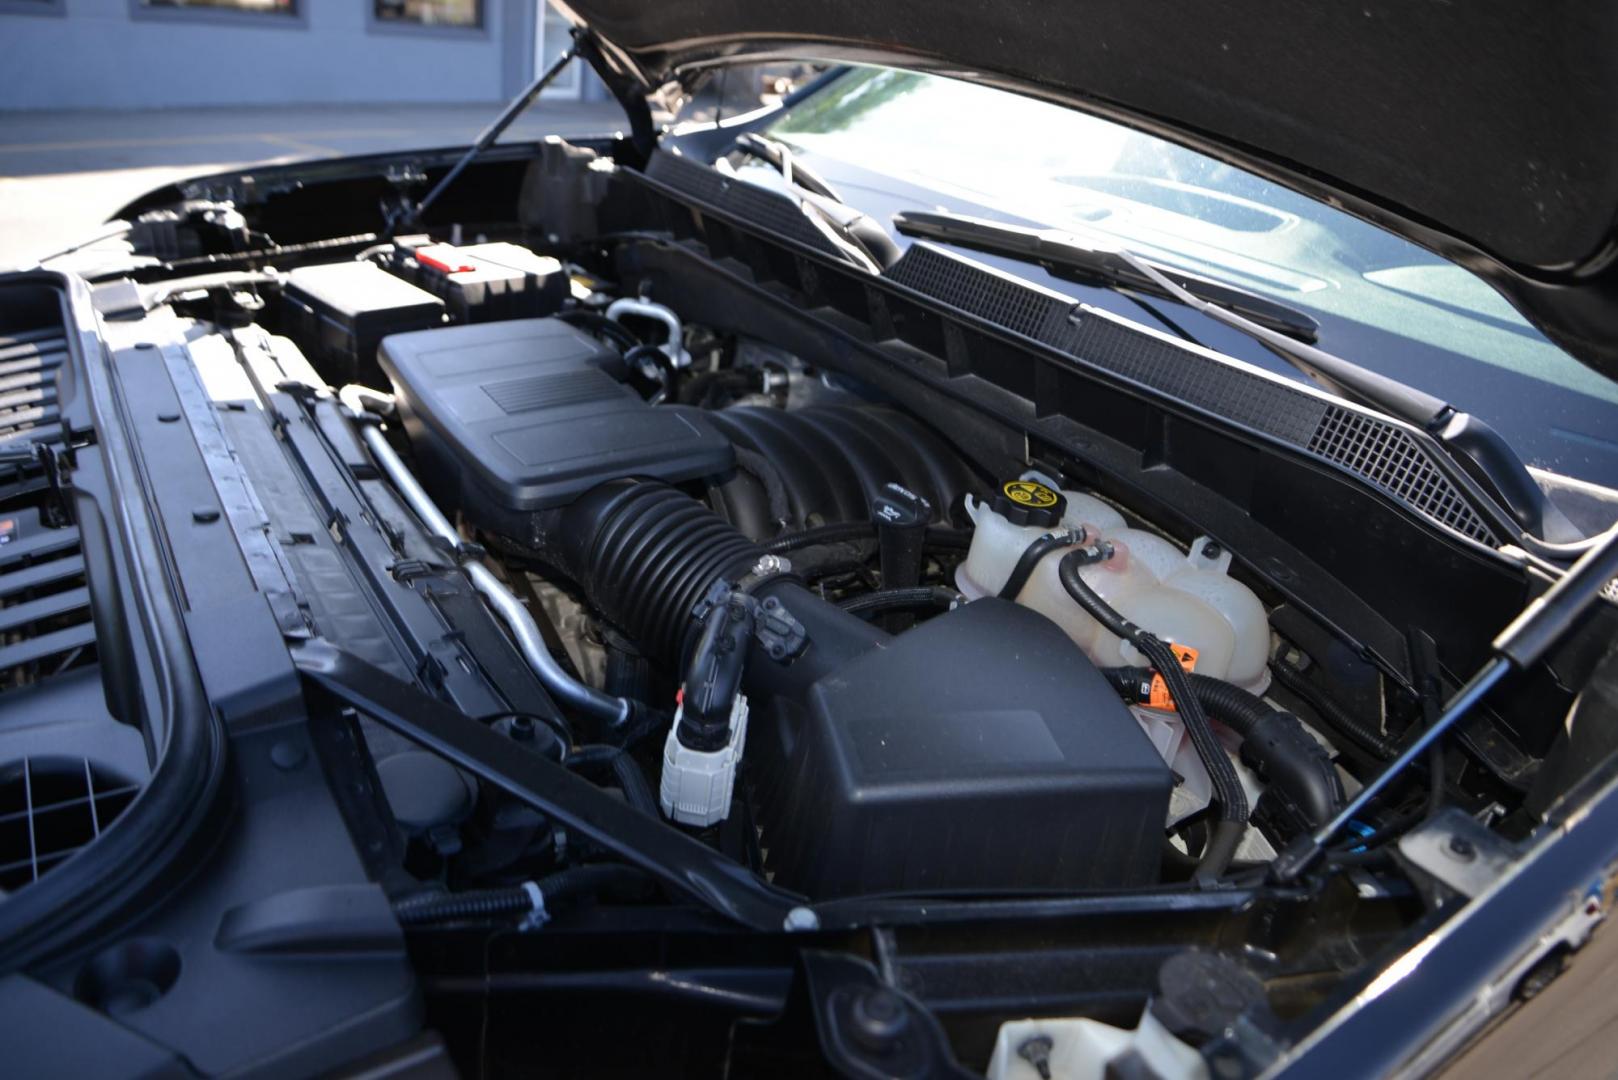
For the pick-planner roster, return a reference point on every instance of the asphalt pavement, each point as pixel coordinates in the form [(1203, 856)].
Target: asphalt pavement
[(64, 173)]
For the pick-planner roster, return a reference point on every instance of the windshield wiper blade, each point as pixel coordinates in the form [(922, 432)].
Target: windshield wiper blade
[(1480, 450), (1098, 263)]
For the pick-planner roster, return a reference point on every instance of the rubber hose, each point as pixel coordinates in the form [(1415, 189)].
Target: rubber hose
[(1366, 737), (646, 554), (920, 596), (1227, 786), (846, 531), (775, 490), (840, 533), (1030, 558), (561, 886), (628, 674), (625, 769), (1276, 745), (594, 321), (694, 391), (1274, 742)]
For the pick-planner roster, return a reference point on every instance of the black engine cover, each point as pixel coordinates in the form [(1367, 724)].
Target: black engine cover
[(980, 751), (511, 418)]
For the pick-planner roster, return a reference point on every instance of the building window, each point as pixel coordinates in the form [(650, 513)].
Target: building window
[(33, 7), (258, 7), (465, 14)]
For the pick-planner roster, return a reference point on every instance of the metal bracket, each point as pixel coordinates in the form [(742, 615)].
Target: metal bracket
[(1460, 853)]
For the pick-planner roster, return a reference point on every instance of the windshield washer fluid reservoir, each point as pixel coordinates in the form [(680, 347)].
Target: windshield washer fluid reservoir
[(1189, 599)]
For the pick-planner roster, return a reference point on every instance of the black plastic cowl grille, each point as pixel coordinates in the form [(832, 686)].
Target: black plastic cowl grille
[(1381, 453), (1394, 461), (754, 206)]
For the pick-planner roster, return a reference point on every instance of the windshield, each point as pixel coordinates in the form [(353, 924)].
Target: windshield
[(891, 140)]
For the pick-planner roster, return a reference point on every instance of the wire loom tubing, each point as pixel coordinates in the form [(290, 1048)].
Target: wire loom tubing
[(1227, 787), (548, 891), (1274, 742)]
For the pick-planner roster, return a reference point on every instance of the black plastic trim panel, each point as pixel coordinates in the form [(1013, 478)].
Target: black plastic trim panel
[(754, 206), (1382, 452)]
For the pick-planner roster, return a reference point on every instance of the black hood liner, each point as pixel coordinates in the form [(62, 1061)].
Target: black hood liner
[(1486, 130)]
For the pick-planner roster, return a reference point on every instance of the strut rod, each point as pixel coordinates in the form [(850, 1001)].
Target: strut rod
[(1518, 647), (684, 865)]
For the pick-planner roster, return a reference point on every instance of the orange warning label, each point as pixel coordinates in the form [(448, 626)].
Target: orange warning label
[(1158, 697)]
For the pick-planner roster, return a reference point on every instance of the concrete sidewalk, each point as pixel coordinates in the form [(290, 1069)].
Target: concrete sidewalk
[(63, 173)]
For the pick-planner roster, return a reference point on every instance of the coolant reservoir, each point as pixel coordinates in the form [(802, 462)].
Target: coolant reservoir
[(1186, 599), (1019, 513)]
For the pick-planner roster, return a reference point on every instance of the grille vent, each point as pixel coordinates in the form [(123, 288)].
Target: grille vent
[(45, 624), (991, 296), (29, 408), (51, 807), (1382, 453), (1391, 459)]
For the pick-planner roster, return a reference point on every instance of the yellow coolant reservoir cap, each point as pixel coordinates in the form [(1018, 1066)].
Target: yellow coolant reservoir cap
[(1028, 502)]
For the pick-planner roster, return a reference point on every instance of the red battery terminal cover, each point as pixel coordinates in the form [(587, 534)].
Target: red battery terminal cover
[(445, 258)]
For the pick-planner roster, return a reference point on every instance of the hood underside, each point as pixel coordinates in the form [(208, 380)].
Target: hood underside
[(1483, 131)]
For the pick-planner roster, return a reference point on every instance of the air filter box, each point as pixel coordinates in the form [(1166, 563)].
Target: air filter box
[(979, 752), (511, 418)]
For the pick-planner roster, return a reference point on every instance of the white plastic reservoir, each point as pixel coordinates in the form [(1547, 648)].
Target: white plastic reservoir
[(1184, 598)]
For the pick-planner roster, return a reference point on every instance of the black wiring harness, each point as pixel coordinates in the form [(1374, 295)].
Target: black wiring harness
[(1228, 792)]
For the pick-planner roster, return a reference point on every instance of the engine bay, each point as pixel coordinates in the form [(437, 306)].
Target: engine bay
[(649, 578), (838, 601)]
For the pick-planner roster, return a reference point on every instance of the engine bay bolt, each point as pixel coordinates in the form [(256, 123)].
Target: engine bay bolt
[(522, 728), (1462, 848), (287, 755), (879, 1017), (800, 919), (1036, 1050), (1212, 550)]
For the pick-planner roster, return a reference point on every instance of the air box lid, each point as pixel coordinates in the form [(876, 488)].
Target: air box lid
[(532, 414), (980, 751)]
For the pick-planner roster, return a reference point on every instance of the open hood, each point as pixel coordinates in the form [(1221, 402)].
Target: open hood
[(1483, 131)]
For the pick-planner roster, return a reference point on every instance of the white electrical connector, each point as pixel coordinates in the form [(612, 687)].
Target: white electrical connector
[(697, 784)]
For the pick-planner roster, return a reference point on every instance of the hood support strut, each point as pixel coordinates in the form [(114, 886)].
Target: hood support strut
[(679, 862)]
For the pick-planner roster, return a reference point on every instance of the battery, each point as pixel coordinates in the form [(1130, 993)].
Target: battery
[(340, 312), (483, 282)]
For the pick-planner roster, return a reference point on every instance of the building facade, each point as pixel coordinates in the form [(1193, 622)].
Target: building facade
[(139, 54)]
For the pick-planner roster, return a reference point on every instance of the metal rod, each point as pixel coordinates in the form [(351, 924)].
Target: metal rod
[(1520, 645), (1462, 703), (679, 861), (568, 691), (516, 108)]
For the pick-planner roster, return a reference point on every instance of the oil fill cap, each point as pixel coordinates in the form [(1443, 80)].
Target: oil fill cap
[(1028, 502)]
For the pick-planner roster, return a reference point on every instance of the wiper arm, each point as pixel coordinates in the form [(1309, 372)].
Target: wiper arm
[(851, 231), (1476, 446), (778, 155), (1100, 263)]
